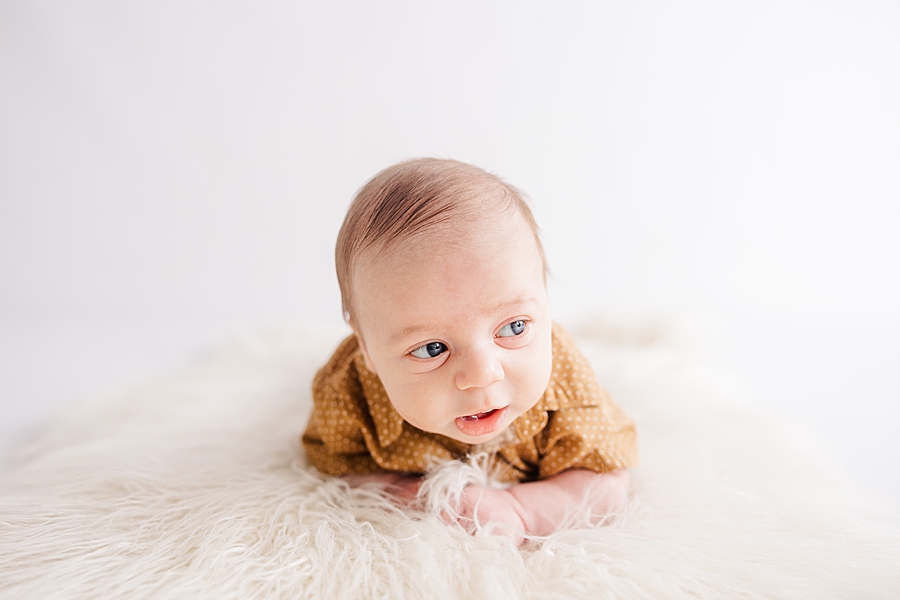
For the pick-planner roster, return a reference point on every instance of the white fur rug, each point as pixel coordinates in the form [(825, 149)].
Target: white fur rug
[(194, 486)]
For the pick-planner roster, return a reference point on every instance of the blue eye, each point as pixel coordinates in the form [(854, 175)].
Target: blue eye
[(429, 350), (511, 329)]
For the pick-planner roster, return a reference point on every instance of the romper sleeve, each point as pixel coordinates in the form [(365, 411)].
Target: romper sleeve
[(598, 438), (334, 440), (585, 428)]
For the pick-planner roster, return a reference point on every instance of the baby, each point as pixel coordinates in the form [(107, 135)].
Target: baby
[(454, 353)]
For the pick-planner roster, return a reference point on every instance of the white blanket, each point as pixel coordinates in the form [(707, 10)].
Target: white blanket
[(195, 486)]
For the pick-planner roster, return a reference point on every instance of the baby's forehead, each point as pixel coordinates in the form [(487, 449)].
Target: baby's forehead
[(487, 232), (490, 222)]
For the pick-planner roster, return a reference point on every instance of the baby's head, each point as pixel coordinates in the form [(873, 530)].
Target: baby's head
[(442, 279)]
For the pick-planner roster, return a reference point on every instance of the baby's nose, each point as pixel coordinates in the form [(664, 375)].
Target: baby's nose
[(478, 369)]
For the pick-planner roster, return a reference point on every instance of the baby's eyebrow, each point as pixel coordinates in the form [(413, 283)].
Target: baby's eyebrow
[(517, 302), (405, 333)]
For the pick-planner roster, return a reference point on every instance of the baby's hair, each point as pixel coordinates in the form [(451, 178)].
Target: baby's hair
[(413, 198)]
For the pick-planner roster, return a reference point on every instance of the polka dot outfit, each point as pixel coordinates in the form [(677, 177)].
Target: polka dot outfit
[(355, 429)]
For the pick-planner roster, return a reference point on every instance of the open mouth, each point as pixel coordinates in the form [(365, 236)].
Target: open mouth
[(483, 423), (479, 416)]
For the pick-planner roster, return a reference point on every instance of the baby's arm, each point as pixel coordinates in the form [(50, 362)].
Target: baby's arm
[(538, 507)]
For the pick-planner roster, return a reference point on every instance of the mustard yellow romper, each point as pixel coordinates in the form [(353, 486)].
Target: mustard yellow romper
[(354, 428)]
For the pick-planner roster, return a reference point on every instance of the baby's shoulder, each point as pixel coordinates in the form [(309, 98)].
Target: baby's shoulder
[(338, 381), (343, 356), (572, 381)]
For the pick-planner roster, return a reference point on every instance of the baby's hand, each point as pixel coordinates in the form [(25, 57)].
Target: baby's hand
[(538, 507), (480, 506)]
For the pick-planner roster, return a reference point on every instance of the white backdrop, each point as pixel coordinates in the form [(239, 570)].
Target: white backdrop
[(172, 170)]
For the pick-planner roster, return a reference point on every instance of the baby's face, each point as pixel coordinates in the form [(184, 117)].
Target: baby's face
[(458, 327)]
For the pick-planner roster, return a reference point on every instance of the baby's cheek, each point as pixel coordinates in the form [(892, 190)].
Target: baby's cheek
[(541, 358), (537, 374), (416, 410)]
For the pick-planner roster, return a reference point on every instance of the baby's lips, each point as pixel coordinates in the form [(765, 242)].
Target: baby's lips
[(477, 416), (483, 423)]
